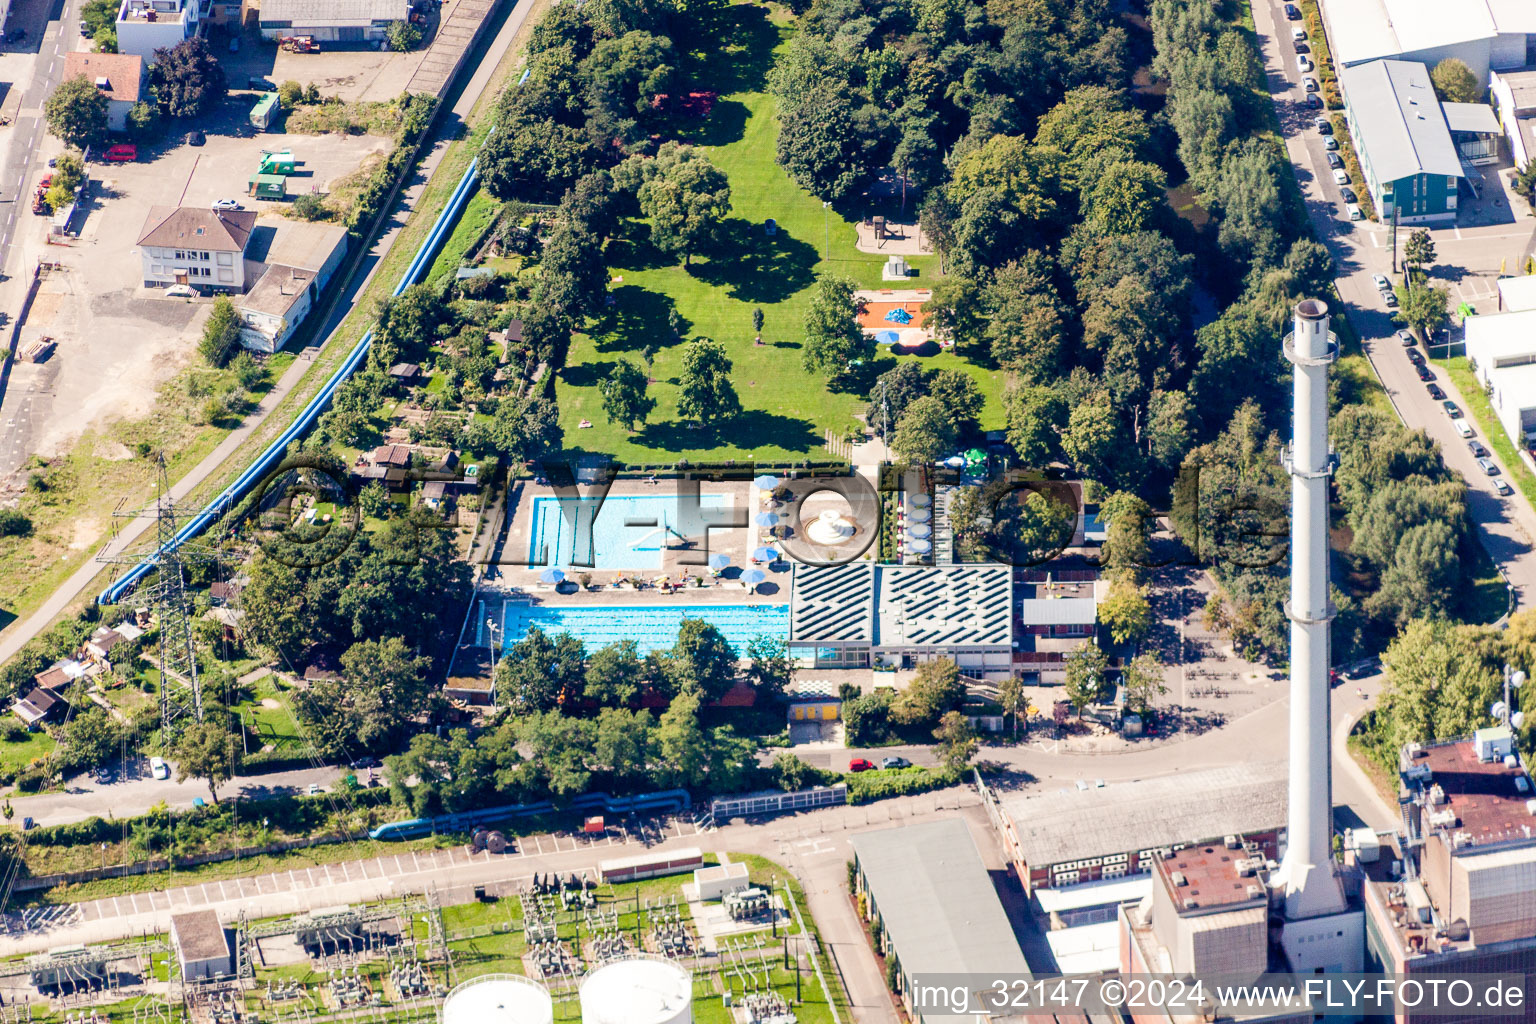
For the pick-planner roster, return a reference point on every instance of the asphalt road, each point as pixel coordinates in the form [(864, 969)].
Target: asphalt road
[(1507, 526)]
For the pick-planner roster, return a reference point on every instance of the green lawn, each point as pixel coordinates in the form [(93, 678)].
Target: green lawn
[(271, 725), (1480, 411), (1488, 599), (477, 216), (786, 411), (17, 754)]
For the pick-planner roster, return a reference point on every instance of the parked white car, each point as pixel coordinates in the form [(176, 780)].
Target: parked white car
[(226, 204), (1341, 176), (1302, 63)]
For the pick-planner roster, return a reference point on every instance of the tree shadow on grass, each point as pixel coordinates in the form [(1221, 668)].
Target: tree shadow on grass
[(754, 266), (726, 123), (634, 251), (738, 49), (586, 375), (752, 429), (639, 318)]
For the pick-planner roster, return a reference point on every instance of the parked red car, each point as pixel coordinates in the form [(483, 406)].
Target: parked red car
[(122, 153), (860, 764)]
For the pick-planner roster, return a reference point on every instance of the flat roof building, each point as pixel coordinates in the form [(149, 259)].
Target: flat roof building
[(937, 910), (1513, 96), (202, 948), (1207, 914), (860, 614), (1101, 832), (1517, 294), (1406, 153), (1457, 895), (291, 263), (1503, 348), (1475, 131), (1483, 34), (341, 21)]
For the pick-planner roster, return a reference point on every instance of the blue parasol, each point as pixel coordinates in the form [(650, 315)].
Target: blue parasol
[(766, 482), (752, 577), (765, 555), (719, 561), (551, 576), (766, 519)]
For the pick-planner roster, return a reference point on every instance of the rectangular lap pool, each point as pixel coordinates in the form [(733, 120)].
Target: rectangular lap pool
[(626, 533), (651, 627)]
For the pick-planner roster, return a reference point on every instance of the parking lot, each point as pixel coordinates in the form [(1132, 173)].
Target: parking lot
[(354, 73), (117, 342)]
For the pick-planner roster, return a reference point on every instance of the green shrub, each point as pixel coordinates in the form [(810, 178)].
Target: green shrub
[(14, 523), (865, 787)]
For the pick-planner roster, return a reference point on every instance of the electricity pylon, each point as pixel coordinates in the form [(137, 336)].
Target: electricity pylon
[(181, 694)]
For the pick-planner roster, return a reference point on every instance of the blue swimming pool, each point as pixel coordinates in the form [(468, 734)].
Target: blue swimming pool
[(625, 533), (651, 627)]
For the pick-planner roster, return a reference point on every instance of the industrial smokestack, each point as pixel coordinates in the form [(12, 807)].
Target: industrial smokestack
[(1306, 876)]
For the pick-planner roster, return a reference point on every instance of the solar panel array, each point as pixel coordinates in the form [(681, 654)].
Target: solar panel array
[(833, 603), (903, 605), (945, 606)]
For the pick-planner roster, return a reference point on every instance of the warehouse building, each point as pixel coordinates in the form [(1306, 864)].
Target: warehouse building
[(1513, 97), (331, 21), (928, 896), (1503, 348), (1483, 34), (1092, 833), (1410, 163), (861, 614)]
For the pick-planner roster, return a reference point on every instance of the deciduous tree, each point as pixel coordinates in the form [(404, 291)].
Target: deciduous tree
[(833, 338), (206, 750), (76, 112), (1454, 82), (221, 332), (685, 202), (957, 741), (1086, 667), (188, 80), (1143, 681), (705, 392), (925, 432), (624, 395)]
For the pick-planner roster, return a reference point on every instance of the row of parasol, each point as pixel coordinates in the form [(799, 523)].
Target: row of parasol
[(914, 528)]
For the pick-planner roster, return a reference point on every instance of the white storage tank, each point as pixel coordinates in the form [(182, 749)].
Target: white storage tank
[(637, 990), (498, 999)]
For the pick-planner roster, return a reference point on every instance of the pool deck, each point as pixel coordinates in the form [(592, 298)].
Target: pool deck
[(676, 562)]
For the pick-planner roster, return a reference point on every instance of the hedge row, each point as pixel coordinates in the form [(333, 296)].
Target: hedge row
[(866, 787), (415, 117), (1322, 56), (1352, 165)]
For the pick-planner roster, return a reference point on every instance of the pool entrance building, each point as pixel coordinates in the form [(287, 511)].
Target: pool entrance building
[(861, 614)]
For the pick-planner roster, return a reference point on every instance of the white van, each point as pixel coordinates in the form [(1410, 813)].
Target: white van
[(1463, 427), (158, 768)]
